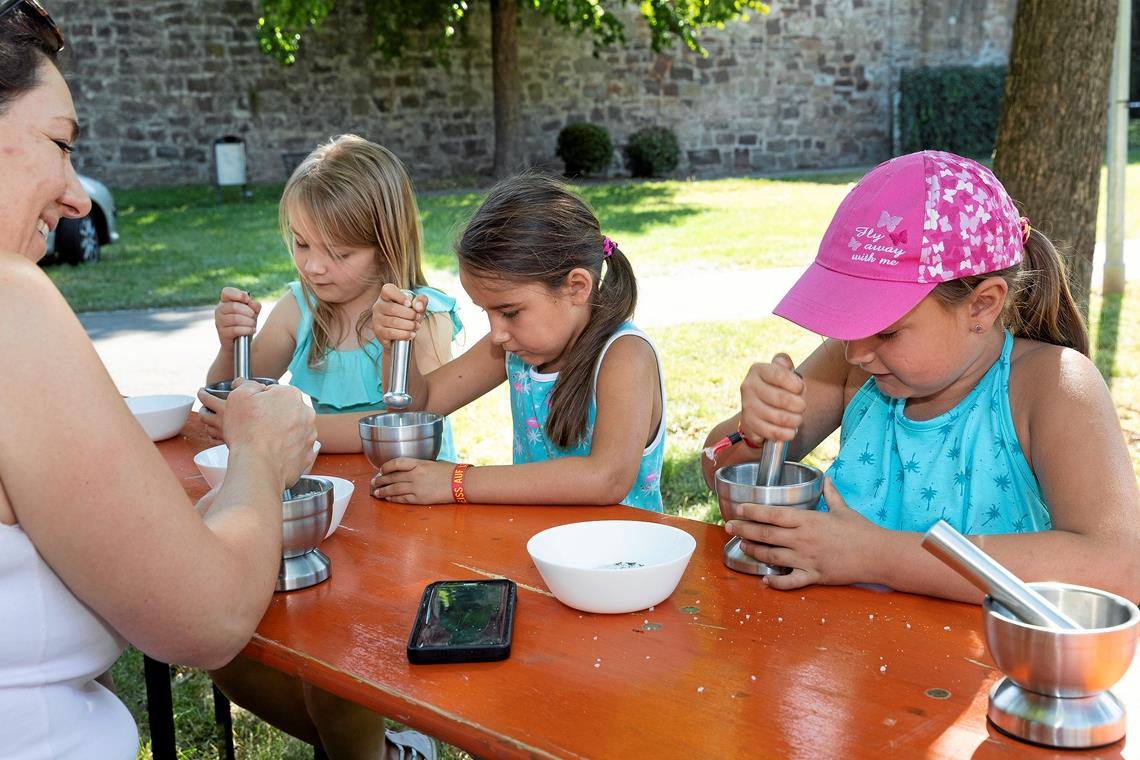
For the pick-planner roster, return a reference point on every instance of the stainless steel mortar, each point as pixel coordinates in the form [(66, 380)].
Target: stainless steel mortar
[(306, 511), (799, 487)]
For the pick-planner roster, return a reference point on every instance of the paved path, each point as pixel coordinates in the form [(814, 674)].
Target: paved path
[(168, 350)]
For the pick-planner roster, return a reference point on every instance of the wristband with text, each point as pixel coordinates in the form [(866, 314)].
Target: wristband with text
[(457, 476)]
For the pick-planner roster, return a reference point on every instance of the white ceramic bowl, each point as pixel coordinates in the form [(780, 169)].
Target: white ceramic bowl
[(611, 565), (342, 492), (161, 416), (212, 462)]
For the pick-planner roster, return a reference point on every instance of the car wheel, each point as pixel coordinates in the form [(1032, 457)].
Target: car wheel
[(77, 241)]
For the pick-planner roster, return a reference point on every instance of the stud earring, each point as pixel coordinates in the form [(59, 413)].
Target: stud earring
[(977, 328)]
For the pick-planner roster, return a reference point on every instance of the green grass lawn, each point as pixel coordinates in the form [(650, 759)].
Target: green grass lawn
[(179, 248)]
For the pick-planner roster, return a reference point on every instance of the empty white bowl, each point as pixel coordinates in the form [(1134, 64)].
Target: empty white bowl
[(212, 462), (342, 492), (611, 565), (161, 416)]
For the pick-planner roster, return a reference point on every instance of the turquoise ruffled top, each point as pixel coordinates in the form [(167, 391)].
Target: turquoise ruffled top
[(352, 381)]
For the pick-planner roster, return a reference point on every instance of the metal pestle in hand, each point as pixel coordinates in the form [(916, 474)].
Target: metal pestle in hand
[(396, 397), (242, 369), (771, 468), (241, 357), (973, 564)]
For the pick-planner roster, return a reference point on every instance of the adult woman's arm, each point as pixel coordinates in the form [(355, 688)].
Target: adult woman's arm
[(102, 507)]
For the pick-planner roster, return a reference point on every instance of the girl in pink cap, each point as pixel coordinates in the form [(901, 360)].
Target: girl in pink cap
[(957, 364)]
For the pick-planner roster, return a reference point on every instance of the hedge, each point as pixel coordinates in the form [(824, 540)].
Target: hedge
[(953, 108)]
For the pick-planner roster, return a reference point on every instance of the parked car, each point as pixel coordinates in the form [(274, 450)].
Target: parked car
[(76, 241)]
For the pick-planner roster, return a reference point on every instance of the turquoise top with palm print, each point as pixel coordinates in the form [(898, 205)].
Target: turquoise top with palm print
[(964, 466), (530, 408)]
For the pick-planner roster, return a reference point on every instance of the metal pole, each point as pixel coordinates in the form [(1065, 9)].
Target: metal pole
[(1117, 152)]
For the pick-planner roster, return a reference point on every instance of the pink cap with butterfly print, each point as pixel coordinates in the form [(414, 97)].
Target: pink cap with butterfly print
[(909, 224)]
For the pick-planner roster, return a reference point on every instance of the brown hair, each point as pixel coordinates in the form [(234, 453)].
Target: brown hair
[(355, 193), (1039, 305), (531, 228), (24, 46)]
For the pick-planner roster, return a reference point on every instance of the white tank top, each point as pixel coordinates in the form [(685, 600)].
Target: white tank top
[(51, 648)]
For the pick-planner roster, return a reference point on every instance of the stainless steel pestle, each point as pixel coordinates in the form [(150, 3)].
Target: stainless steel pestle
[(396, 397), (771, 467), (950, 546), (241, 358)]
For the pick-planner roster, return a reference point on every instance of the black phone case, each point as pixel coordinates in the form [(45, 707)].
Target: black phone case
[(426, 655)]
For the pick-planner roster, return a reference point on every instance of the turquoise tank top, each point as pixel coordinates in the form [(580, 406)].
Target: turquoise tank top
[(351, 381), (530, 408), (964, 466)]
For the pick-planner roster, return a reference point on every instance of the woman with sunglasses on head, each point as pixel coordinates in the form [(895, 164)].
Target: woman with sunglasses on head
[(99, 544)]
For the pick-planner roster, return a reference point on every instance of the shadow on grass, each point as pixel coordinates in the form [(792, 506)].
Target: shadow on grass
[(637, 206), (1104, 353), (625, 207), (130, 200)]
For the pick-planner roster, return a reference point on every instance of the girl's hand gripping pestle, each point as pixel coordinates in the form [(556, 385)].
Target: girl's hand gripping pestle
[(772, 456), (396, 397), (979, 568)]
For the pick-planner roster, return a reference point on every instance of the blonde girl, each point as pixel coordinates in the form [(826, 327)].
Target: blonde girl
[(348, 215)]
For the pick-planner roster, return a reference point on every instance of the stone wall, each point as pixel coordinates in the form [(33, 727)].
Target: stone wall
[(809, 85)]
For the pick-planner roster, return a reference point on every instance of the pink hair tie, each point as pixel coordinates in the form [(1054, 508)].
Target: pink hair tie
[(1024, 229), (608, 247)]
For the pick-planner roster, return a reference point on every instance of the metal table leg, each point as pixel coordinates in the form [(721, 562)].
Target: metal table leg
[(223, 718), (160, 708)]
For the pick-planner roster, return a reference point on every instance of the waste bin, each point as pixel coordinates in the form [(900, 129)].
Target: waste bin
[(229, 164)]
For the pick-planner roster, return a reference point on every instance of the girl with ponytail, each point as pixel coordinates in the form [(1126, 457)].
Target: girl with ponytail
[(587, 392), (957, 365)]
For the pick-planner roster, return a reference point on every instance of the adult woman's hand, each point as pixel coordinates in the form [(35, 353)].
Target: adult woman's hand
[(272, 423)]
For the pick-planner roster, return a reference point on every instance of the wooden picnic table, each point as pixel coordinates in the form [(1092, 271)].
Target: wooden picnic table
[(723, 668)]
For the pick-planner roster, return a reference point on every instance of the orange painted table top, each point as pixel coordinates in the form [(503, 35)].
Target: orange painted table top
[(723, 668)]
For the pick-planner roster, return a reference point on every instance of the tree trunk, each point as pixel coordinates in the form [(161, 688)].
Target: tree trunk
[(1050, 142), (506, 87)]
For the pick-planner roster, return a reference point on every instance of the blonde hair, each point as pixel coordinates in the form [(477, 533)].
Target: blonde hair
[(354, 193)]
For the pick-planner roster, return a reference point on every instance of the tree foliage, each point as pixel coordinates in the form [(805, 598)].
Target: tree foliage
[(284, 22)]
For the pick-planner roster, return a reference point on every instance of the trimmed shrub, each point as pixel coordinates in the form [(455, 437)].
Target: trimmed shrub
[(652, 151), (954, 108), (584, 149)]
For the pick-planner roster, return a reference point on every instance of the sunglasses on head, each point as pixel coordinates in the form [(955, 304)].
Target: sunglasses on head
[(39, 15)]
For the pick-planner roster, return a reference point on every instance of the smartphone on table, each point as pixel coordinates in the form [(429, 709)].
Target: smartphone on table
[(464, 621)]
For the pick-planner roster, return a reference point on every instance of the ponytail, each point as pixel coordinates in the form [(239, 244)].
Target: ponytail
[(612, 303), (1040, 305)]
